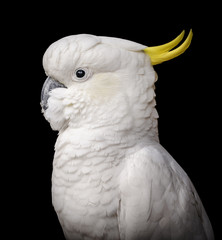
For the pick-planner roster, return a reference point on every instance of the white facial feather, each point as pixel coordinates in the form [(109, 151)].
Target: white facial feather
[(118, 92)]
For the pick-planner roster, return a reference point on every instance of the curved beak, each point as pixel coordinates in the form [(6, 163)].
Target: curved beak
[(48, 86)]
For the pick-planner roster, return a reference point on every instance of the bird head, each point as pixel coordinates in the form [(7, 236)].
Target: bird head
[(103, 82)]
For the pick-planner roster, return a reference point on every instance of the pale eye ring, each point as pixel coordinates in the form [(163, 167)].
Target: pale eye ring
[(81, 74)]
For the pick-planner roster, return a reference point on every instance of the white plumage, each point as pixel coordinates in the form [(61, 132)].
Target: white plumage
[(111, 177)]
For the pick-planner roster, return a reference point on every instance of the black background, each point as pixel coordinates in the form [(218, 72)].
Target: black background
[(188, 99)]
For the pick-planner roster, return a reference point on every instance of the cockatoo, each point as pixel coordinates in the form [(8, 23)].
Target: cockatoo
[(111, 177)]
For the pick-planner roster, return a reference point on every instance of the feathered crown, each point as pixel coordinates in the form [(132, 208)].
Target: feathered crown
[(162, 53)]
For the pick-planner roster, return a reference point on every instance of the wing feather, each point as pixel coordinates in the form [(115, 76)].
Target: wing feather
[(158, 200)]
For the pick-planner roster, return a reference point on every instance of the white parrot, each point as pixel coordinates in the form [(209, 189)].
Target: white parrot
[(111, 177)]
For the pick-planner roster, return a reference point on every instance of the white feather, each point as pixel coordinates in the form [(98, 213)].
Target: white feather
[(111, 178)]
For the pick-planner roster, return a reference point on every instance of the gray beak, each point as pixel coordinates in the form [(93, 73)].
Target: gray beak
[(48, 86)]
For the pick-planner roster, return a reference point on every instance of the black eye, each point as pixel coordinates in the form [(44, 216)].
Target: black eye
[(80, 73)]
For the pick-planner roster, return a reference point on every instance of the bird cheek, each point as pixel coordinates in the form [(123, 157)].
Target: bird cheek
[(103, 86)]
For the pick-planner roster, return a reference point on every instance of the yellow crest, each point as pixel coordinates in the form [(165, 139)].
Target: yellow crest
[(162, 53)]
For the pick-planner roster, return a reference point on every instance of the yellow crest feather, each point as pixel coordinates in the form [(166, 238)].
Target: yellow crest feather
[(162, 53)]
